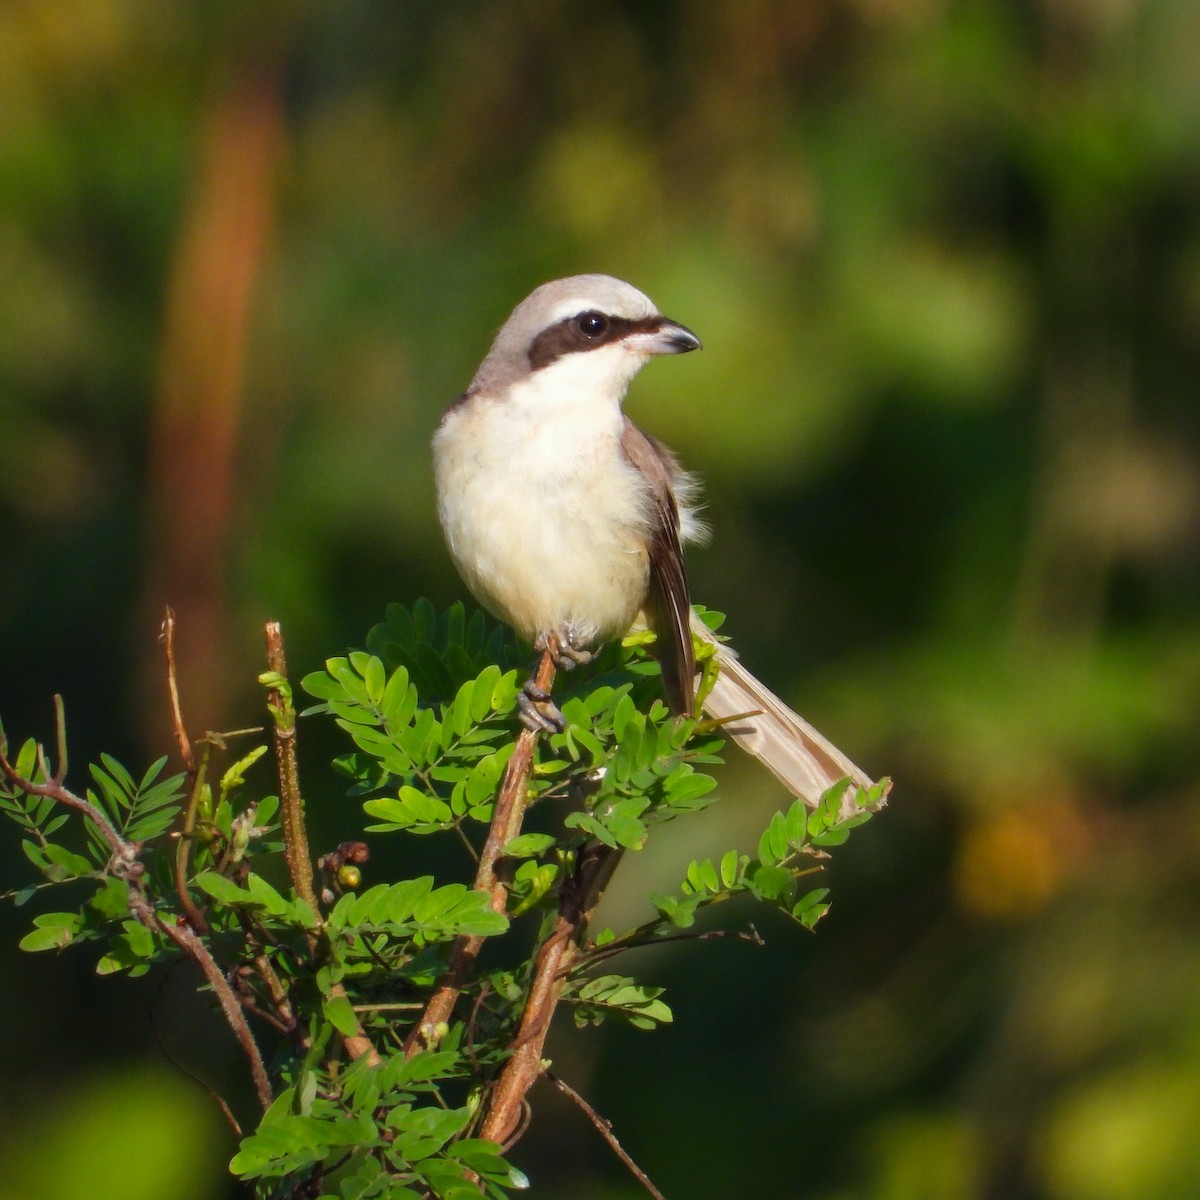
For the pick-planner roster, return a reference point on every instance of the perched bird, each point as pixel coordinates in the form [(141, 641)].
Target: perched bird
[(567, 522)]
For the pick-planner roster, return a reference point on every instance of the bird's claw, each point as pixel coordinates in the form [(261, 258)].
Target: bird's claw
[(538, 713), (560, 645)]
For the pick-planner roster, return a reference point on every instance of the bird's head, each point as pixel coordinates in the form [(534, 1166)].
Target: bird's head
[(587, 331)]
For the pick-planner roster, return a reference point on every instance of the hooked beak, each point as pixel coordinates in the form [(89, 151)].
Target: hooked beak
[(667, 337)]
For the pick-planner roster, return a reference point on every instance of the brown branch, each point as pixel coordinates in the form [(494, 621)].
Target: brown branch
[(557, 954), (507, 817), (624, 944), (604, 1127)]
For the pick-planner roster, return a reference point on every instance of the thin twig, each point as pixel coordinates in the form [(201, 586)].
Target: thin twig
[(279, 996), (628, 942), (195, 778), (604, 1126), (124, 864), (181, 737), (60, 737), (186, 938), (183, 848), (507, 817), (213, 1094)]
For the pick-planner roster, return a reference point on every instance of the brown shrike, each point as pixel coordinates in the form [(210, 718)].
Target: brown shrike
[(567, 522)]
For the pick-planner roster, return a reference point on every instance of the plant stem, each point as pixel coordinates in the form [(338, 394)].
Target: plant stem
[(291, 803), (291, 808)]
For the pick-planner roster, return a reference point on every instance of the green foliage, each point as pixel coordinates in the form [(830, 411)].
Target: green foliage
[(139, 811), (617, 995), (355, 1108), (443, 760), (384, 1129), (789, 850)]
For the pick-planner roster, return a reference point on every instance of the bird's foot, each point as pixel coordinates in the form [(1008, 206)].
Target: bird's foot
[(561, 645), (537, 711)]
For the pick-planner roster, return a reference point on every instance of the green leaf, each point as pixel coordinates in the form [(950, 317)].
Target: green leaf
[(623, 821), (795, 825), (382, 904), (412, 809), (399, 701), (459, 718), (424, 1066), (130, 950), (688, 787), (57, 863), (531, 882), (773, 845), (774, 884), (680, 912), (111, 900), (339, 1012), (52, 931), (730, 868), (702, 877), (321, 685), (811, 907), (587, 823), (484, 779), (235, 775), (421, 1132), (222, 889), (618, 995), (263, 893), (529, 845)]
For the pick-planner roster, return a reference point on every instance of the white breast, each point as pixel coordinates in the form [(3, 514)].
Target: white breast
[(545, 520)]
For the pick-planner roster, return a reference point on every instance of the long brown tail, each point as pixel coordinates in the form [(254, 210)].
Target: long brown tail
[(806, 763)]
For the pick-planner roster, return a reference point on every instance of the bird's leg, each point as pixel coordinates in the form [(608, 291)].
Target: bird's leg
[(537, 711)]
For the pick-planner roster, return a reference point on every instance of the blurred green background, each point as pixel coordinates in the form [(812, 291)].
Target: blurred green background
[(944, 256)]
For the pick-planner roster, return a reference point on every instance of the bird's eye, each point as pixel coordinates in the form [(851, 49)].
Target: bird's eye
[(592, 325)]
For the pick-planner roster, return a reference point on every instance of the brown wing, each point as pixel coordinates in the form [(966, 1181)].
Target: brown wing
[(668, 605)]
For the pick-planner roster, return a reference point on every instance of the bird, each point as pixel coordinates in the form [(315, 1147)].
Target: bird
[(567, 522)]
